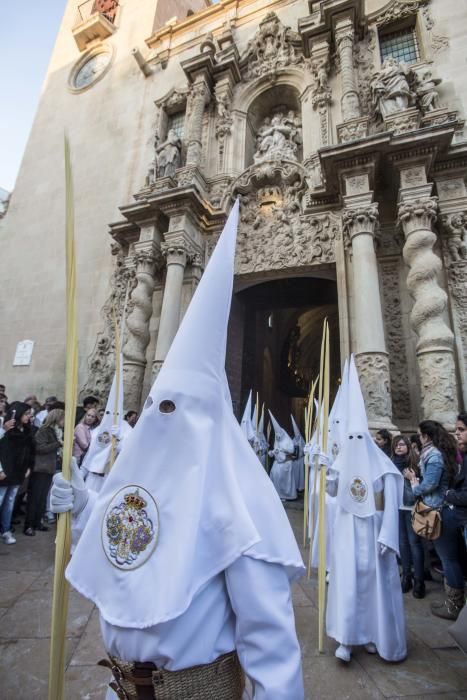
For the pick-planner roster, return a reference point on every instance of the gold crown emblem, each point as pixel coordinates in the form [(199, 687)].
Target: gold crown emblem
[(134, 500)]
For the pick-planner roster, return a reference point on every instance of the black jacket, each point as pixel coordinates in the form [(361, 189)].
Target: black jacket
[(16, 455), (456, 495)]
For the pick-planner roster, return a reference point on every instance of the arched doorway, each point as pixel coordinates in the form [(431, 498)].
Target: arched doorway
[(275, 340)]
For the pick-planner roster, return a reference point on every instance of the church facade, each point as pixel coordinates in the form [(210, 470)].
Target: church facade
[(340, 126)]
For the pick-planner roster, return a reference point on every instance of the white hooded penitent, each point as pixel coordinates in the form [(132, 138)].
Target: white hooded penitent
[(187, 496), (360, 462), (97, 457), (246, 422)]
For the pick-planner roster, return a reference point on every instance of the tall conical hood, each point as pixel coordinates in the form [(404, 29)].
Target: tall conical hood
[(261, 422), (339, 419), (356, 411), (200, 343), (246, 423), (282, 439), (187, 495), (97, 457), (299, 440)]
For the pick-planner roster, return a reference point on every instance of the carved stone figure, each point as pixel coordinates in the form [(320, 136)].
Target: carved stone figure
[(168, 155), (390, 90), (427, 93), (279, 138), (456, 243)]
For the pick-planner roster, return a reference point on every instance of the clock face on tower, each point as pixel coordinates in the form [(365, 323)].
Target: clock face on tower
[(91, 70)]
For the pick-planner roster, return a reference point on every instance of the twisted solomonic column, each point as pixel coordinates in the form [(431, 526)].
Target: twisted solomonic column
[(137, 326), (435, 346), (199, 97), (350, 101), (360, 222)]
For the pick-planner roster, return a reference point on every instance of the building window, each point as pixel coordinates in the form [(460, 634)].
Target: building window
[(177, 123), (401, 45)]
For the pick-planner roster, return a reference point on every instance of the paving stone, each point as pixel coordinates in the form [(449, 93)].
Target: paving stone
[(30, 616), (13, 584), (326, 678), (90, 648), (24, 668), (422, 672), (86, 682)]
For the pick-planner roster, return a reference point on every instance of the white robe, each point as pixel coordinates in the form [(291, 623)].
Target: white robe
[(365, 601), (299, 467), (330, 517), (248, 607), (283, 476)]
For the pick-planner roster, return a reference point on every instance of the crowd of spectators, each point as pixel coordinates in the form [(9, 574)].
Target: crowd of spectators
[(31, 443)]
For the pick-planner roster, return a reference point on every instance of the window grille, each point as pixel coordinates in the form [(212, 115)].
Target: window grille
[(401, 45), (176, 122)]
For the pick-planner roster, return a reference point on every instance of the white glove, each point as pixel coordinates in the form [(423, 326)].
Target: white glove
[(382, 548), (324, 460), (115, 432), (66, 495)]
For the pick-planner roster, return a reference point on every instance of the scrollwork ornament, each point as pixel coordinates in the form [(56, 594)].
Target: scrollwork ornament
[(373, 370)]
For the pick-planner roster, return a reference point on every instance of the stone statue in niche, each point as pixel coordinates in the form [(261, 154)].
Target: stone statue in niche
[(167, 157), (390, 88), (427, 92), (279, 138)]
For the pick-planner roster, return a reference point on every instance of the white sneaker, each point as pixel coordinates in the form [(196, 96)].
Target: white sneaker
[(371, 648), (8, 538), (343, 653)]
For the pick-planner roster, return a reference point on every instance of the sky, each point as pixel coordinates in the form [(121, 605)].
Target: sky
[(28, 29)]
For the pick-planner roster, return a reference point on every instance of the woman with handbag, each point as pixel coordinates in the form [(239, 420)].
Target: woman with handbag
[(439, 468), (410, 544)]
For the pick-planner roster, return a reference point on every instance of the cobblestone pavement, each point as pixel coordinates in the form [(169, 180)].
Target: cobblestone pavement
[(434, 669)]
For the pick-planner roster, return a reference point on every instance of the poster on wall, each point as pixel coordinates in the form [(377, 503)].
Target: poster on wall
[(23, 354)]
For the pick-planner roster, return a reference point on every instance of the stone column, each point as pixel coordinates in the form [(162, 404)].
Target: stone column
[(199, 97), (360, 220), (137, 322), (350, 102), (435, 345), (176, 255)]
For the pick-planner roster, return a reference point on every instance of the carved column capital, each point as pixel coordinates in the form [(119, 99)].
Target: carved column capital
[(416, 214), (345, 38), (360, 220)]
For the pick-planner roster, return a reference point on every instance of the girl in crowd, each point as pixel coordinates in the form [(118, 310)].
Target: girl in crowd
[(410, 544), (17, 461), (440, 478), (383, 439), (82, 436), (48, 442)]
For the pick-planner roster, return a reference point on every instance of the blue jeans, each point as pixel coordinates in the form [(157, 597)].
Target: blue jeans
[(411, 546), (7, 502), (447, 547)]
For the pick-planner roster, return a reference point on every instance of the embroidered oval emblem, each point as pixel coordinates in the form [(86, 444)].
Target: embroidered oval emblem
[(130, 528), (358, 489)]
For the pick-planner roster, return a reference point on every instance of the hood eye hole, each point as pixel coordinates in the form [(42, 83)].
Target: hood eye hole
[(360, 437), (167, 406), (148, 402), (350, 437)]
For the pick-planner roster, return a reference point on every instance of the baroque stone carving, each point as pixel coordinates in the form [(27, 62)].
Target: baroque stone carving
[(137, 325), (279, 138), (435, 339), (101, 362), (360, 220), (273, 235), (392, 312), (455, 227), (373, 371), (166, 159), (427, 93), (364, 59), (457, 281), (273, 47), (398, 10), (402, 122), (390, 88), (352, 130)]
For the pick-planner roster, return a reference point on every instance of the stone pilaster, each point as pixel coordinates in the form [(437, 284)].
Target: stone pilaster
[(360, 221), (198, 99), (176, 255), (146, 259), (435, 345), (344, 34)]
